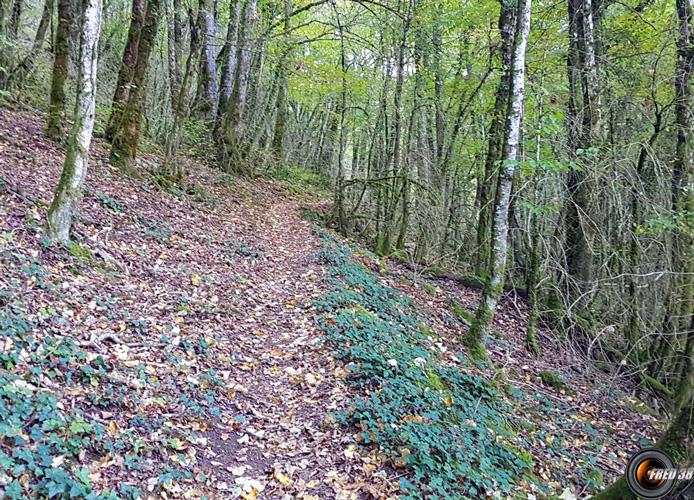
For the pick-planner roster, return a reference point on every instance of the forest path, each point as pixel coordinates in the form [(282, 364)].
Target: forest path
[(290, 383)]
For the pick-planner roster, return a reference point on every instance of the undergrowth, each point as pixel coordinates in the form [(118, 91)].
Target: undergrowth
[(447, 427), (56, 394), (299, 180)]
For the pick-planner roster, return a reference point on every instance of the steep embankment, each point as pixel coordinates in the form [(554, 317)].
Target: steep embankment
[(177, 348)]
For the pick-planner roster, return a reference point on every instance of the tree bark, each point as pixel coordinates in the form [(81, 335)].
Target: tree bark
[(61, 55), (497, 265), (231, 50), (173, 55), (281, 115), (207, 85), (15, 18), (583, 74), (128, 64), (68, 193)]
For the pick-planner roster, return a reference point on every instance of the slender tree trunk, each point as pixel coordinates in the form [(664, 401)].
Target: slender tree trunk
[(339, 200), (61, 54), (231, 51), (128, 64), (126, 135), (487, 177), (634, 329), (173, 56), (494, 283), (207, 104), (24, 68), (281, 115), (68, 193)]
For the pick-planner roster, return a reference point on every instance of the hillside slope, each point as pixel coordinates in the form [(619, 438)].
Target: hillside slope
[(177, 349)]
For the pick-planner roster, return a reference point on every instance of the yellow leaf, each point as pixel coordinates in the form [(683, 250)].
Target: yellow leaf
[(113, 428), (196, 279), (282, 478)]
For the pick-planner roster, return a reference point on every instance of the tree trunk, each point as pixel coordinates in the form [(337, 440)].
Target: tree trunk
[(583, 74), (61, 55), (15, 18), (127, 132), (488, 175), (173, 55), (231, 51), (128, 64), (173, 168), (228, 147), (207, 85), (497, 265), (281, 115), (68, 193)]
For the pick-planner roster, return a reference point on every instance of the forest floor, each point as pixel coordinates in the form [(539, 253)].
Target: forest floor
[(176, 349)]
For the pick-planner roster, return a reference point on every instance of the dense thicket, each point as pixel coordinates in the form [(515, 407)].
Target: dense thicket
[(574, 187)]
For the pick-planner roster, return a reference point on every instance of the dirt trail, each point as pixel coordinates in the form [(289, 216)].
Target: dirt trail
[(289, 375)]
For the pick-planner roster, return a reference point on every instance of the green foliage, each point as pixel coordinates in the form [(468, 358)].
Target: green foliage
[(108, 201), (81, 252), (299, 180), (430, 289), (157, 230), (448, 425), (45, 436), (554, 380), (312, 216)]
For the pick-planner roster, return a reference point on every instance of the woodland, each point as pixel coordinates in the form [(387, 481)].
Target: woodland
[(344, 249)]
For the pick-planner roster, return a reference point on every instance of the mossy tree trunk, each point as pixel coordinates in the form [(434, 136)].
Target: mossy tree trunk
[(68, 193), (497, 263), (229, 152), (207, 81), (61, 55), (282, 81), (126, 73), (585, 124), (15, 18), (231, 52), (126, 135)]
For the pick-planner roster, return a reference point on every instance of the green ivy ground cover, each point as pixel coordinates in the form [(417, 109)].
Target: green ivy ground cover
[(446, 425)]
